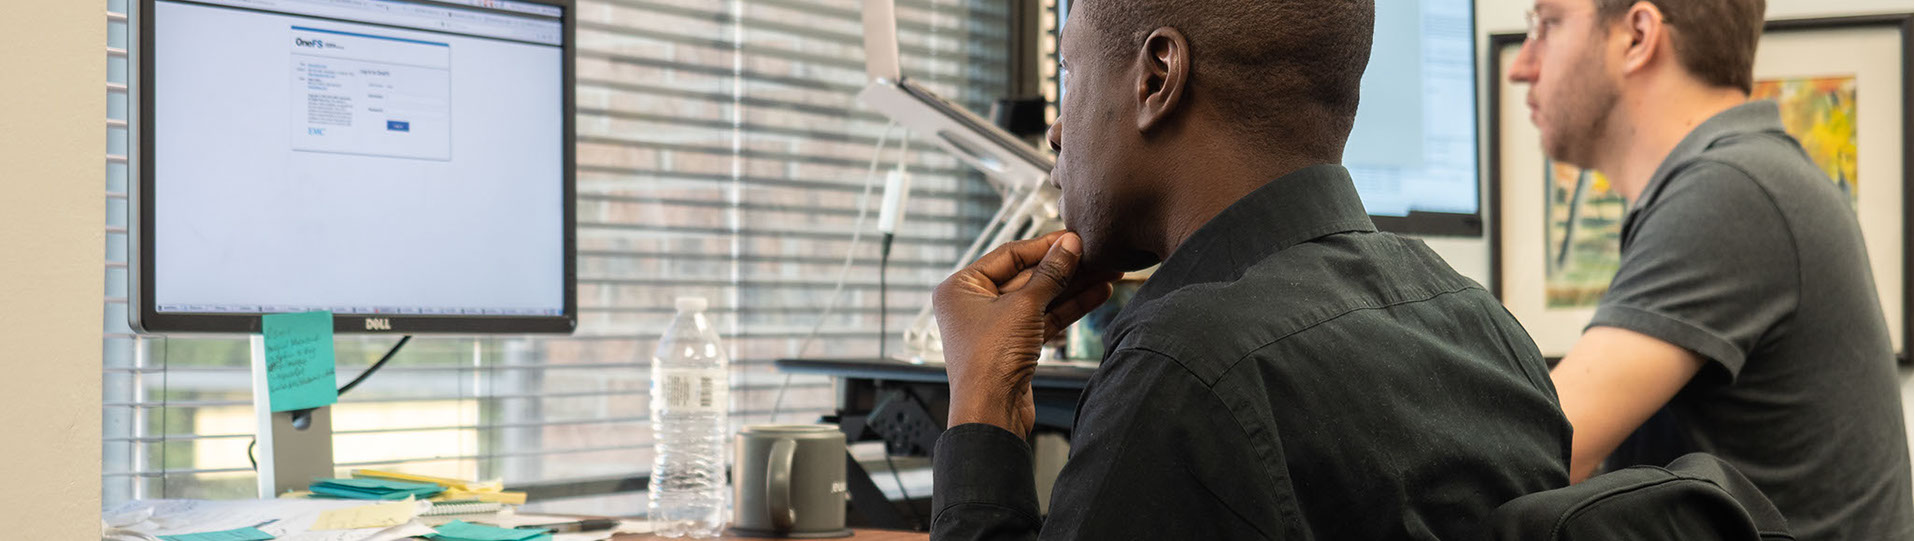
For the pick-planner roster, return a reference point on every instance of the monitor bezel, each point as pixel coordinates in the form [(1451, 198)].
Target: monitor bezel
[(144, 316)]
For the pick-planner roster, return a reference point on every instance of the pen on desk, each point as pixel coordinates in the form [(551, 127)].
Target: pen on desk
[(586, 525)]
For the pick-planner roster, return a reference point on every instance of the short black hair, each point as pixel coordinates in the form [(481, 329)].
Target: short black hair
[(1290, 71)]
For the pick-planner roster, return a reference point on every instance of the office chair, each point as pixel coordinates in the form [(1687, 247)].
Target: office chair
[(1698, 497)]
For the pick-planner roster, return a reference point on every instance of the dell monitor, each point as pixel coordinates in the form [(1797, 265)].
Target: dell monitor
[(405, 165)]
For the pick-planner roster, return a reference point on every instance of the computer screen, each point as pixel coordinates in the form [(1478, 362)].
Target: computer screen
[(1413, 151), (405, 165)]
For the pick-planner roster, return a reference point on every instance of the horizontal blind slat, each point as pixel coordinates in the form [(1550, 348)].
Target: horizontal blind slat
[(870, 213), (978, 195), (417, 429), (856, 263), (487, 396), (351, 371), (846, 38), (789, 157)]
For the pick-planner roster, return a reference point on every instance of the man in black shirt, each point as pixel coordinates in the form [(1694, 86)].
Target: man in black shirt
[(1288, 372)]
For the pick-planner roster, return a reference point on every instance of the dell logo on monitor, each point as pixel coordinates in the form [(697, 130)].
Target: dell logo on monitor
[(378, 324)]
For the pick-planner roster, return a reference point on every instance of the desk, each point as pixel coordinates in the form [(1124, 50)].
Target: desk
[(1055, 389), (1049, 376), (856, 535), (905, 405)]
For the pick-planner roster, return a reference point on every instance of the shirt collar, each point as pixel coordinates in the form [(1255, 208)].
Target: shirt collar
[(1748, 118), (1304, 205)]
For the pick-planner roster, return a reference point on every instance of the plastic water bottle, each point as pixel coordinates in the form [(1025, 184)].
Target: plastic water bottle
[(691, 388)]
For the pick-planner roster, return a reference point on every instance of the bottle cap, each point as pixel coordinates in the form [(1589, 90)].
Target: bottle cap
[(691, 304)]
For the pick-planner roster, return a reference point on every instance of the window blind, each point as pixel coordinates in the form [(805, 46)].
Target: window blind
[(721, 153)]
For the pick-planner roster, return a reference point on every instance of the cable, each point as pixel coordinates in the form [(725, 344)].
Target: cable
[(302, 417), (375, 366), (166, 392), (884, 263), (884, 246), (916, 520), (850, 255)]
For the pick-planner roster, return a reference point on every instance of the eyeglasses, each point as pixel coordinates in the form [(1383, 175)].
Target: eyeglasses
[(1538, 25)]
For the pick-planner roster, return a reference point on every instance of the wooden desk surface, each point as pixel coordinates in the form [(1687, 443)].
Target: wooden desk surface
[(856, 535)]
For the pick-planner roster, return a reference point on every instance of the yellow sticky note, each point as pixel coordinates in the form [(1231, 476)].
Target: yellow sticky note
[(367, 516)]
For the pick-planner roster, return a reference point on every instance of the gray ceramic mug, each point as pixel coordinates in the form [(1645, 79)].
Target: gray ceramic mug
[(788, 481)]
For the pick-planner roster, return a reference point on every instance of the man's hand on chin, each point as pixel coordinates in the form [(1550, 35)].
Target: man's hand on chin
[(995, 316)]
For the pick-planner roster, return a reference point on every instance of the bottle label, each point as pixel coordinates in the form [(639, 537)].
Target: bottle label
[(694, 389)]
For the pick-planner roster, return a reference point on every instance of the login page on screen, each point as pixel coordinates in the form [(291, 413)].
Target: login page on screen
[(357, 156)]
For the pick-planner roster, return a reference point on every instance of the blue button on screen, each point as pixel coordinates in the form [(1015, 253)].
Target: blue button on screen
[(398, 125)]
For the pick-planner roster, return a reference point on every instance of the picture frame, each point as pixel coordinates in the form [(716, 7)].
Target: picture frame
[(1555, 231)]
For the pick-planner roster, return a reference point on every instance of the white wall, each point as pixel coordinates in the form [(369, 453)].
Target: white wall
[(52, 207), (1470, 256)]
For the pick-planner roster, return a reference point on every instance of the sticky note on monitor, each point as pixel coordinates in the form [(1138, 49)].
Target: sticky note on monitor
[(299, 360)]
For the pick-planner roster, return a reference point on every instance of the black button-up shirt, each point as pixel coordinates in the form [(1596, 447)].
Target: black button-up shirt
[(1288, 373)]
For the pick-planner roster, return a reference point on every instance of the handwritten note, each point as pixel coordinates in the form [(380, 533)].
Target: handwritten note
[(299, 360), (367, 516)]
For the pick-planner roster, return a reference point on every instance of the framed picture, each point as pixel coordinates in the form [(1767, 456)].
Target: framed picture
[(1843, 86)]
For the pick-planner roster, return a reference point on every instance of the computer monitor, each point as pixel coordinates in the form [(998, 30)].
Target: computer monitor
[(1413, 151), (406, 165)]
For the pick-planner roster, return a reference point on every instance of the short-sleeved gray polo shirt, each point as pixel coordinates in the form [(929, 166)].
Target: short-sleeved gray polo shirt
[(1740, 249)]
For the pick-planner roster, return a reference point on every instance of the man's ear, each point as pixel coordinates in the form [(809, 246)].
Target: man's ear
[(1648, 31), (1163, 78)]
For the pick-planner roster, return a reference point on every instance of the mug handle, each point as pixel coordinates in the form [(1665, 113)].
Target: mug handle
[(778, 483)]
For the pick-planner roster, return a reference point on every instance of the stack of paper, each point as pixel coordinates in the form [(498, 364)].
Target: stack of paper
[(456, 489), (378, 515), (460, 530), (279, 519), (241, 534), (373, 489)]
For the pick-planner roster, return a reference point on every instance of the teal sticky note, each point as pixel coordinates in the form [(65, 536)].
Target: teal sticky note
[(299, 360), (242, 534), (355, 494), (373, 489), (465, 531), (377, 484)]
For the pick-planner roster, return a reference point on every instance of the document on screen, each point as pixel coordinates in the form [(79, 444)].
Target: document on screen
[(371, 95)]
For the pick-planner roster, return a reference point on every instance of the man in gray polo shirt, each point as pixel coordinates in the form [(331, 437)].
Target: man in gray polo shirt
[(1743, 321)]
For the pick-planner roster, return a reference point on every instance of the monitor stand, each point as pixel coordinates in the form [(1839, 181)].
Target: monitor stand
[(289, 456)]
